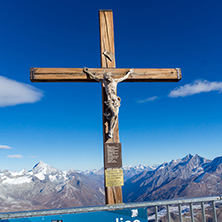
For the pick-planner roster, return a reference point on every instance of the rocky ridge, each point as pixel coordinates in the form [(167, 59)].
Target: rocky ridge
[(191, 176)]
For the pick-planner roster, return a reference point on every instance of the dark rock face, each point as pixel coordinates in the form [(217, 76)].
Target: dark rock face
[(192, 176)]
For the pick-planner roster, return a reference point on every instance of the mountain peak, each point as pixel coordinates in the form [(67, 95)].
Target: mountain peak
[(44, 168), (188, 157), (41, 164)]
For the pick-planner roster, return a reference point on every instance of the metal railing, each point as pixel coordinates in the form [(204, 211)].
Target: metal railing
[(190, 202), (155, 204)]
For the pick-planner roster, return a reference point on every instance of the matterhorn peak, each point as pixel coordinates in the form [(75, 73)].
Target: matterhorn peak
[(44, 168), (41, 164)]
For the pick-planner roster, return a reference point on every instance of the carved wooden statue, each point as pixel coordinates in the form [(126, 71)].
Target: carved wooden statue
[(113, 101)]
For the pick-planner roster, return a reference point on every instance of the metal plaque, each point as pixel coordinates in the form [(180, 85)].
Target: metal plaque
[(113, 155), (114, 177)]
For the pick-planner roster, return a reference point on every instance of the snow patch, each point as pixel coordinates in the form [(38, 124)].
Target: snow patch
[(14, 174), (17, 181), (40, 176)]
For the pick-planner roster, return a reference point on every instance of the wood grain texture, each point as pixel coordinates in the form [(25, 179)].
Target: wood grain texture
[(113, 195), (77, 74), (106, 38)]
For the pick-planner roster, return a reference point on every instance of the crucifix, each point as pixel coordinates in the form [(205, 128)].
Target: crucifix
[(109, 76)]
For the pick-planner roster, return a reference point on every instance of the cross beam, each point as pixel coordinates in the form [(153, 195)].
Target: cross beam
[(78, 75), (113, 194)]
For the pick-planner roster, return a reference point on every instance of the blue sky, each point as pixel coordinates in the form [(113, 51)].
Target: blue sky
[(61, 123)]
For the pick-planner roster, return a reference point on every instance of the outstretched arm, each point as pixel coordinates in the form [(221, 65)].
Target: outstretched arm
[(125, 77), (93, 76)]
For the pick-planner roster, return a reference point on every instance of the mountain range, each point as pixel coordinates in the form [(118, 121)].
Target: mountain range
[(191, 176), (45, 187)]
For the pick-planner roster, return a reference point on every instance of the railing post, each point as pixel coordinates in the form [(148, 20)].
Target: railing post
[(203, 212), (191, 212), (180, 213), (214, 211), (156, 213), (168, 213)]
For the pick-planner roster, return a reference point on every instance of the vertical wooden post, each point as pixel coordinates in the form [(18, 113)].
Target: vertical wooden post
[(113, 195)]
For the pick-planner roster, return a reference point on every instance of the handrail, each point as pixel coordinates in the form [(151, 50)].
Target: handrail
[(10, 215)]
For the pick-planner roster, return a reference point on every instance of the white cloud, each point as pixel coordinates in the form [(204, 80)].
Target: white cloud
[(150, 99), (15, 156), (13, 93), (196, 87), (4, 147)]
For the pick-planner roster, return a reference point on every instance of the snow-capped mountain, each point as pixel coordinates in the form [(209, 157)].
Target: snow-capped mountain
[(45, 187), (41, 171), (91, 172), (191, 176), (128, 171)]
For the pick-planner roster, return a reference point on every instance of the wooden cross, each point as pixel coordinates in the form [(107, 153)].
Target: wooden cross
[(113, 195)]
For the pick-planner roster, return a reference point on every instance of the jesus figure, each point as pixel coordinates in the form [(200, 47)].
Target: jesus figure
[(113, 101)]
